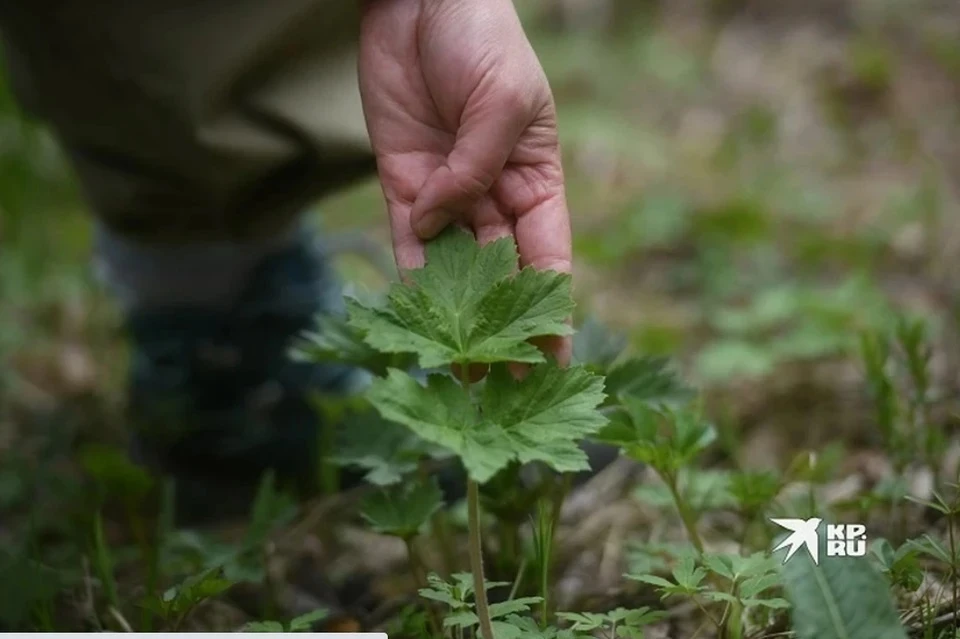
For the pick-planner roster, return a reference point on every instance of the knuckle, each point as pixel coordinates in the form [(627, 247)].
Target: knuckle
[(472, 183), (515, 97), (556, 263)]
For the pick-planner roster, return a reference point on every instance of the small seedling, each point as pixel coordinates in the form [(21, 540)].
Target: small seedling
[(668, 440), (176, 603), (619, 623), (899, 565), (303, 623), (456, 595), (402, 511)]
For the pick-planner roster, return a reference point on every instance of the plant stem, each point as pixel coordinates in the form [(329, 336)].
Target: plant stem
[(556, 504), (475, 538), (104, 562), (518, 579), (706, 613), (476, 559), (543, 537), (689, 521), (953, 567), (120, 619)]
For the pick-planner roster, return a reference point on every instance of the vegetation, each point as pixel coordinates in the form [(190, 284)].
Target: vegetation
[(765, 328)]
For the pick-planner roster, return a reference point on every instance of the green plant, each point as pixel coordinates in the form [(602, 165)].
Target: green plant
[(176, 603), (748, 581), (929, 546), (741, 587), (470, 306), (464, 615), (616, 623), (27, 590), (839, 598), (668, 439), (544, 530), (899, 565), (205, 567), (402, 511), (302, 623), (471, 310)]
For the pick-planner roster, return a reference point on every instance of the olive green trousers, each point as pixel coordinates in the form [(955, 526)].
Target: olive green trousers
[(193, 121)]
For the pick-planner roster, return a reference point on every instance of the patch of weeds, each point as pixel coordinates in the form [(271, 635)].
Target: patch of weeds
[(790, 322), (470, 308)]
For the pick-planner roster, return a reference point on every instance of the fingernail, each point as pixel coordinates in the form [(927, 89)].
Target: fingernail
[(431, 223)]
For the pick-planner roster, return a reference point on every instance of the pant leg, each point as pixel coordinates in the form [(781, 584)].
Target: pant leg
[(190, 121)]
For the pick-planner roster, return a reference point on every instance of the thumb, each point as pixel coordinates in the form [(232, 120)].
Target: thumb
[(484, 142)]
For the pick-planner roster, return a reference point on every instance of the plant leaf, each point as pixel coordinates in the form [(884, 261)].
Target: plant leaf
[(653, 580), (460, 620), (305, 622), (520, 604), (334, 340), (646, 379), (443, 414), (585, 621), (842, 598), (402, 510), (720, 564), (753, 586), (271, 509), (776, 603), (667, 439), (505, 630), (384, 449), (115, 473), (596, 346), (179, 599), (688, 574), (467, 305), (539, 418), (930, 546), (24, 584), (546, 413)]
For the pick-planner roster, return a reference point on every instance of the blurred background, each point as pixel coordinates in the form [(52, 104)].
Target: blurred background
[(754, 184)]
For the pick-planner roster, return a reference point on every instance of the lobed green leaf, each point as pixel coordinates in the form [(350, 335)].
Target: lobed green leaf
[(467, 305), (538, 418)]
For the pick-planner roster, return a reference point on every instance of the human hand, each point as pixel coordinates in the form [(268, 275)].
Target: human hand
[(464, 128)]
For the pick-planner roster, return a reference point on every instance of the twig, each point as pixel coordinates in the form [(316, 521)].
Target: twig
[(87, 604), (119, 618), (518, 579)]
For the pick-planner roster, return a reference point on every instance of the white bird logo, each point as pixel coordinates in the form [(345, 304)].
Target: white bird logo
[(804, 534)]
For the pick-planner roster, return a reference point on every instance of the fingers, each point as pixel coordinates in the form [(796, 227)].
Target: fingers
[(544, 242), (544, 237), (487, 136), (409, 252)]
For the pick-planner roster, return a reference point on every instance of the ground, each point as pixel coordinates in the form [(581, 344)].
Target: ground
[(757, 189)]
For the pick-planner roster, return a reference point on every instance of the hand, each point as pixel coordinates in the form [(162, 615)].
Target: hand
[(464, 128)]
